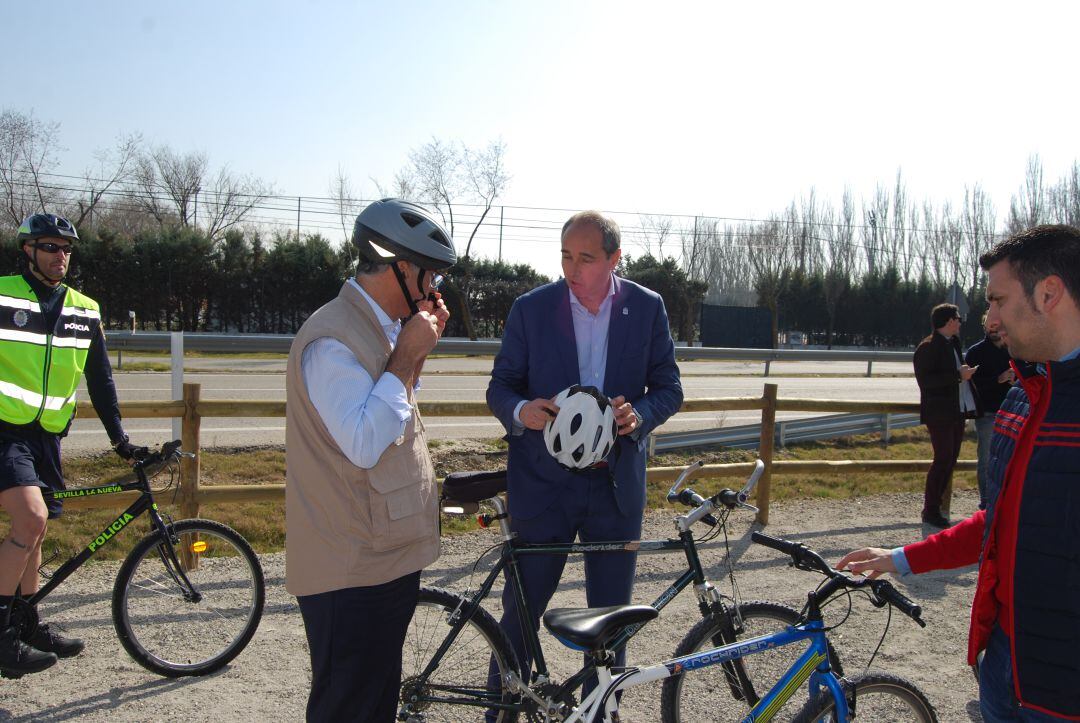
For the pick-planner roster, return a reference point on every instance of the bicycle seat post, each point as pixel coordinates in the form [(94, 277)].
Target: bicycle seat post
[(502, 516)]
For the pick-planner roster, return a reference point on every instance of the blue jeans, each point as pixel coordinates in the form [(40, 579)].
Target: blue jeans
[(984, 430), (996, 700)]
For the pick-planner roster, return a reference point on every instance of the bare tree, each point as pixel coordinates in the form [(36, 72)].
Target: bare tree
[(345, 203), (229, 199), (486, 173), (840, 245), (114, 167), (658, 229), (770, 258), (167, 184), (1065, 198), (436, 169), (28, 148), (977, 222), (1029, 207), (875, 229)]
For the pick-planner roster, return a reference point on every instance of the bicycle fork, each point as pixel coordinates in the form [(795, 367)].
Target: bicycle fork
[(166, 550)]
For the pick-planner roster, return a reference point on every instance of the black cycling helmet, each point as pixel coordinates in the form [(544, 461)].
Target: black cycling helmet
[(394, 230), (46, 225)]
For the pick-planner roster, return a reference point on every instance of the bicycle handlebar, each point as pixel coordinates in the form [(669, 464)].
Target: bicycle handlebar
[(804, 558), (726, 497), (168, 452)]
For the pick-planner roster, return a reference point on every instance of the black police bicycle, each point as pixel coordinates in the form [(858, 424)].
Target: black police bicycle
[(187, 598)]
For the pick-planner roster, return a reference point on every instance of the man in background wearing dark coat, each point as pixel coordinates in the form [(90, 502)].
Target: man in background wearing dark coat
[(946, 400)]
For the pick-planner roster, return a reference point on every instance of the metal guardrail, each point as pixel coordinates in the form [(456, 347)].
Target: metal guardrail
[(206, 342), (788, 431)]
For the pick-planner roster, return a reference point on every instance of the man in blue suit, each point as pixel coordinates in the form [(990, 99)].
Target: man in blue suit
[(596, 329)]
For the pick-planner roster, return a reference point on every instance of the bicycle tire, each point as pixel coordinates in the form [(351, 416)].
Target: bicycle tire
[(878, 697), (683, 696), (464, 665), (172, 636)]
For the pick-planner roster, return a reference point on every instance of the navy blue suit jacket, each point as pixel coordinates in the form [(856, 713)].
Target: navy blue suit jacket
[(538, 358)]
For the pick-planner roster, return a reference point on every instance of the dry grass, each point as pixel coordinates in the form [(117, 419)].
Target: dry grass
[(263, 523)]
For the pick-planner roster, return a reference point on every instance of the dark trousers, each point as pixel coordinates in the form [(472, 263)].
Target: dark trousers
[(355, 637), (946, 439), (587, 511)]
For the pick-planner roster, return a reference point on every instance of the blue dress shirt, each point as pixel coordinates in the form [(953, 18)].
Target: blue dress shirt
[(363, 416), (591, 337)]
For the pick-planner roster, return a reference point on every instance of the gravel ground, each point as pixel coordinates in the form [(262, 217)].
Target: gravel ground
[(269, 681)]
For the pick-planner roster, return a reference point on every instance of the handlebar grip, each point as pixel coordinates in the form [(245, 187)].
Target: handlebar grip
[(728, 498), (885, 590), (784, 546), (692, 499)]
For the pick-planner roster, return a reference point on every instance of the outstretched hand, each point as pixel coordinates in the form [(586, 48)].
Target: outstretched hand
[(869, 561)]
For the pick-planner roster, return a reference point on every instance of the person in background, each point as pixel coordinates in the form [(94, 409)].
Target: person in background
[(946, 400), (992, 379)]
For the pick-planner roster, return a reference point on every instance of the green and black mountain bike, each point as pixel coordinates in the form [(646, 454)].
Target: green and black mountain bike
[(189, 595)]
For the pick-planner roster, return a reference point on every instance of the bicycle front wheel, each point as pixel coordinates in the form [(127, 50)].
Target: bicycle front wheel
[(876, 696), (173, 629), (462, 681), (727, 692)]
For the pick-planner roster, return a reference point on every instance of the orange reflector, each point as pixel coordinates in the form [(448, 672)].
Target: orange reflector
[(199, 546)]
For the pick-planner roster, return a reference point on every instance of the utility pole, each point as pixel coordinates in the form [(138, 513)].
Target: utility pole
[(297, 218), (501, 209)]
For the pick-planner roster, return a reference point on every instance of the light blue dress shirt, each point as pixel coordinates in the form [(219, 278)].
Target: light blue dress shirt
[(591, 337), (899, 558), (363, 416)]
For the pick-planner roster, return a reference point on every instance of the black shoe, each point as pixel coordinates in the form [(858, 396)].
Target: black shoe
[(50, 641), (17, 658), (936, 519)]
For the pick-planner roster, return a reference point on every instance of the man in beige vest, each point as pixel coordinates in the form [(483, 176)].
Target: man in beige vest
[(361, 507)]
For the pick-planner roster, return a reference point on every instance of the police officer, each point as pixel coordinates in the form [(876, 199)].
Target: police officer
[(50, 335)]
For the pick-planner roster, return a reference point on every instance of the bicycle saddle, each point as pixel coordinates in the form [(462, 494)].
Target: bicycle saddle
[(473, 486), (593, 628)]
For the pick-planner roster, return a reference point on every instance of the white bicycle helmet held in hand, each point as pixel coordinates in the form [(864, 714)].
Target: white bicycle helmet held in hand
[(584, 430)]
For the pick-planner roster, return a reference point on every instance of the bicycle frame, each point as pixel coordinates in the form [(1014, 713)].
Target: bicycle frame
[(143, 504), (812, 665), (512, 550)]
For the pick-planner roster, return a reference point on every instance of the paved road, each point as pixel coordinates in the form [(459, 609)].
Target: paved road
[(466, 379)]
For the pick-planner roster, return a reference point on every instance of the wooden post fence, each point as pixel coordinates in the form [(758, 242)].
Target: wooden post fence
[(191, 409), (765, 451)]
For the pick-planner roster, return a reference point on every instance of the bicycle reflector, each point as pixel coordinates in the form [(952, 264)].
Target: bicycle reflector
[(199, 546)]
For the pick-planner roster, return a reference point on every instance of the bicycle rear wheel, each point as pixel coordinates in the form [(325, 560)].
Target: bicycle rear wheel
[(456, 689), (708, 691), (173, 630), (877, 697)]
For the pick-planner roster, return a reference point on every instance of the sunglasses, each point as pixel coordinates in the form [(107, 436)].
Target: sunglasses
[(50, 248)]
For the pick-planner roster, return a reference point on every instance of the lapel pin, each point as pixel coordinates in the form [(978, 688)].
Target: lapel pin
[(625, 311)]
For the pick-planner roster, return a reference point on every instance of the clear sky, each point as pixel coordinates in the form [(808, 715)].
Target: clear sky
[(720, 109)]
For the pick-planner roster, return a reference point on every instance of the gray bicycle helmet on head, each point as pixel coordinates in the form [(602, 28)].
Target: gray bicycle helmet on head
[(46, 225), (395, 230)]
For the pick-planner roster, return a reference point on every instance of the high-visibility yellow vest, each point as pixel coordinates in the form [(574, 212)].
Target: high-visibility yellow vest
[(40, 368)]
